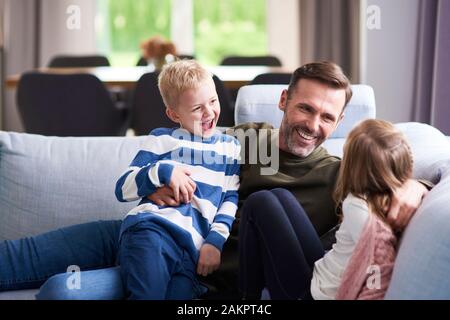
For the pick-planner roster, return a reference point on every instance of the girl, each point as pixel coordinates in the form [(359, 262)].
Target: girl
[(377, 160)]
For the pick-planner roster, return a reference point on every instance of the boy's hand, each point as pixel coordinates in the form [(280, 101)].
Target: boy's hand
[(182, 185), (164, 196), (209, 259)]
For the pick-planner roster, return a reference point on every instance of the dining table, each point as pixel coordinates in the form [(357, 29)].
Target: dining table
[(233, 77)]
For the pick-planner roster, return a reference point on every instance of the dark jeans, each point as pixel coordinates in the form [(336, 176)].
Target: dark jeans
[(29, 262), (154, 267), (278, 246)]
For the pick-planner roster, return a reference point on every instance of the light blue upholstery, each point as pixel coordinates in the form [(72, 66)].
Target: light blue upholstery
[(50, 182), (259, 103)]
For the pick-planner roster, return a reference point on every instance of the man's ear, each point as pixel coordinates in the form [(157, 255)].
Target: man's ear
[(283, 100), (173, 115)]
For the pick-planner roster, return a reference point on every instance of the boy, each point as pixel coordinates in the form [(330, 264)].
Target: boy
[(161, 248)]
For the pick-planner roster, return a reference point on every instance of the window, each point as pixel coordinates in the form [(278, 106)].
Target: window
[(229, 27), (122, 24), (221, 28)]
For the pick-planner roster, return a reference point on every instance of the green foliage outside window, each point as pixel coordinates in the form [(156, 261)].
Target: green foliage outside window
[(229, 27), (221, 28)]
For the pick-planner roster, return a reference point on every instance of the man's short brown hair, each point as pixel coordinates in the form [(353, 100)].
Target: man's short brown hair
[(325, 72)]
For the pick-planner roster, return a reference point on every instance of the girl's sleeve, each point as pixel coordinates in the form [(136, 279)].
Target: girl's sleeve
[(356, 213)]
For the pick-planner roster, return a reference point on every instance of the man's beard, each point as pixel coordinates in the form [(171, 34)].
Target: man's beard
[(302, 152)]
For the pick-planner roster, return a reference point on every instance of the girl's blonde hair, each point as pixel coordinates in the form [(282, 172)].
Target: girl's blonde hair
[(377, 160), (179, 76)]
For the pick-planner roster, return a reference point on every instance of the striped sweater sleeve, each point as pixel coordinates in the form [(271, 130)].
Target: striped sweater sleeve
[(144, 175), (223, 220)]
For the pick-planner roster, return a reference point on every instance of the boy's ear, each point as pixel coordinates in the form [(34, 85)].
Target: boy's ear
[(172, 115)]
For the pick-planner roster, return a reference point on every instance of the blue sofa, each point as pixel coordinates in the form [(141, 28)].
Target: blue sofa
[(51, 182)]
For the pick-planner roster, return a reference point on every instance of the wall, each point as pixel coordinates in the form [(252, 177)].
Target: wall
[(283, 31), (59, 31), (390, 58)]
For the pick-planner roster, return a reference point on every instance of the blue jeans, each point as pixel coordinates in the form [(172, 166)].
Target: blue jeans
[(27, 263), (154, 266)]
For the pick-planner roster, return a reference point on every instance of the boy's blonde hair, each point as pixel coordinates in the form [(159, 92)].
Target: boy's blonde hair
[(179, 76), (377, 160)]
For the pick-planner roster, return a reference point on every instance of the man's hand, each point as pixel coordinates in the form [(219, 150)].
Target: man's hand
[(182, 185), (209, 259), (404, 203), (164, 196)]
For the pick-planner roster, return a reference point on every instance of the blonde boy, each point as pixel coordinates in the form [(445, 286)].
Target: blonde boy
[(162, 248)]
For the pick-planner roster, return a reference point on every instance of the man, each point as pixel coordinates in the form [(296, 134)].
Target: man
[(313, 106)]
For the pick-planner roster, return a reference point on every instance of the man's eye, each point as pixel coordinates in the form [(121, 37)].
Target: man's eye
[(305, 108)]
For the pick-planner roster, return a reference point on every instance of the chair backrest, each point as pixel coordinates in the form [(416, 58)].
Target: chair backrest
[(148, 109), (142, 62), (63, 61), (272, 78), (259, 103), (67, 105), (270, 61)]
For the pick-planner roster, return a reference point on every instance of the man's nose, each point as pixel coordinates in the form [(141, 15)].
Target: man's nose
[(313, 123)]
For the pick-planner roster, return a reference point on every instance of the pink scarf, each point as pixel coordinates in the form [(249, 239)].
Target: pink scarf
[(369, 269)]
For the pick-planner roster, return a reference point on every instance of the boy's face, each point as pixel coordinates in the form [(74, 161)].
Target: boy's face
[(198, 109)]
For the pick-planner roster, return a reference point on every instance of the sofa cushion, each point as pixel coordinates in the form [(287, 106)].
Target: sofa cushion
[(423, 260), (50, 182), (430, 148), (259, 103)]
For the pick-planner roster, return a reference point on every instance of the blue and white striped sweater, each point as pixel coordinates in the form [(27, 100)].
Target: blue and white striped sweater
[(214, 166)]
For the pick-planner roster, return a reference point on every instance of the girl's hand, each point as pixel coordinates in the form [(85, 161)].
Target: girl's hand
[(209, 259)]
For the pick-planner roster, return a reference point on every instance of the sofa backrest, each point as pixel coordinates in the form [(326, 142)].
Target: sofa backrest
[(50, 182), (259, 103)]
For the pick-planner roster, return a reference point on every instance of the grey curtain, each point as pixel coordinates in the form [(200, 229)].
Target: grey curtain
[(329, 30), (20, 51), (432, 89)]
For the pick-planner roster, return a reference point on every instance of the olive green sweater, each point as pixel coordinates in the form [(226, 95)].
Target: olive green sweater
[(310, 179)]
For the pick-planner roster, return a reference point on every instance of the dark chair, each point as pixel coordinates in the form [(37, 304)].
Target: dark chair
[(272, 78), (62, 61), (142, 62), (68, 105), (270, 61), (149, 112)]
